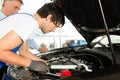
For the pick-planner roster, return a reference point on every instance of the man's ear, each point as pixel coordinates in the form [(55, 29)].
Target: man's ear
[(49, 17)]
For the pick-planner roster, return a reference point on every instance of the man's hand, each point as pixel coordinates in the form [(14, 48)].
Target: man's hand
[(39, 66)]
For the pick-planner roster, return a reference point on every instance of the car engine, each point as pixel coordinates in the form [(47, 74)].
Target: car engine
[(64, 63)]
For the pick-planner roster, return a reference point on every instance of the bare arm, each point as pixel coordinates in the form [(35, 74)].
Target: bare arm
[(7, 43), (23, 51)]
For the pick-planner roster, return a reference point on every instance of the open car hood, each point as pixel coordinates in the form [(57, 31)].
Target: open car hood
[(87, 17)]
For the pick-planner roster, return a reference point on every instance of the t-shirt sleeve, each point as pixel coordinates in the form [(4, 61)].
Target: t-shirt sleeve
[(25, 25)]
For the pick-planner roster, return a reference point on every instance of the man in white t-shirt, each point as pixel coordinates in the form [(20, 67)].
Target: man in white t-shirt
[(17, 28)]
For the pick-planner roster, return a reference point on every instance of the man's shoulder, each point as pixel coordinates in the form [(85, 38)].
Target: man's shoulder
[(23, 15), (19, 16)]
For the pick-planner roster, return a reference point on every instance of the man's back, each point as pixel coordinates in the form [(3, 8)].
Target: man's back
[(19, 23)]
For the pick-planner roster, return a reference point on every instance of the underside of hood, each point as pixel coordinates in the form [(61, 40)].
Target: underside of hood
[(87, 17)]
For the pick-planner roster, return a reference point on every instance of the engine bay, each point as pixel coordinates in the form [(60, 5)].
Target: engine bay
[(65, 63)]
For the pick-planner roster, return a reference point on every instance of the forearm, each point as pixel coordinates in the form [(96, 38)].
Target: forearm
[(30, 55), (13, 59)]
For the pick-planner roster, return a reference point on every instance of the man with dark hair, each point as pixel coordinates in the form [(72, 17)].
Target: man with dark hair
[(17, 28), (10, 7)]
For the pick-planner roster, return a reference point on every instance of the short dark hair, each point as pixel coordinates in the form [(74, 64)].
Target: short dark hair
[(53, 9)]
